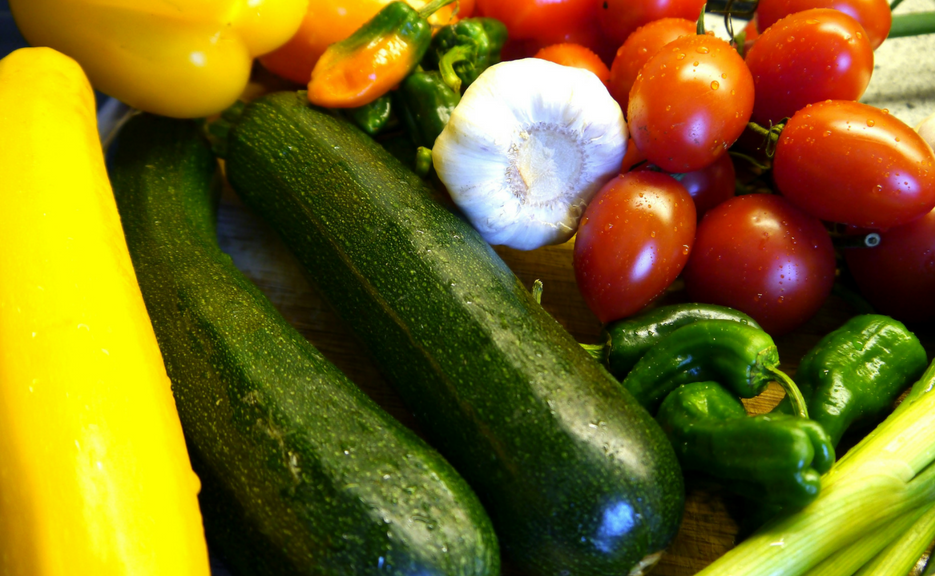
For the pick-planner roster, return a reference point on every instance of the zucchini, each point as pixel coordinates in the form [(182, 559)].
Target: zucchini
[(302, 472), (576, 476)]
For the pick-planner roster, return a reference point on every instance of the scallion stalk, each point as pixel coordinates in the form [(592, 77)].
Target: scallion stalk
[(885, 477), (904, 552)]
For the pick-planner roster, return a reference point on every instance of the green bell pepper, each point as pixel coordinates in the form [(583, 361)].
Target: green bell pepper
[(776, 460)]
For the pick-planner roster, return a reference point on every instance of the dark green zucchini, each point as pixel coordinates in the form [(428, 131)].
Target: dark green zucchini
[(576, 476), (302, 473)]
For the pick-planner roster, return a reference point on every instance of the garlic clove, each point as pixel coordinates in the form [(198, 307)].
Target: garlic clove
[(527, 148)]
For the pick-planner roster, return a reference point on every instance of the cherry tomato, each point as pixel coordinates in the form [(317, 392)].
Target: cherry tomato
[(711, 185), (761, 255), (873, 15), (547, 20), (330, 21), (689, 103), (620, 18), (641, 45), (576, 56), (855, 164), (808, 57), (898, 275), (633, 240)]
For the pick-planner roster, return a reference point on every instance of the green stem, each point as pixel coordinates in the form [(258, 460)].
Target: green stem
[(912, 24), (848, 560), (699, 24), (595, 350), (792, 392), (460, 53), (433, 7), (537, 291), (894, 4)]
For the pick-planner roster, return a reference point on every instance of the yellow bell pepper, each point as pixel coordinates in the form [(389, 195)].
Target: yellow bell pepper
[(185, 59), (94, 474)]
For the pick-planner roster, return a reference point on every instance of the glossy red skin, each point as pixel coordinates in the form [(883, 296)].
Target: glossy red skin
[(633, 241), (587, 34), (873, 15), (546, 20), (712, 185), (689, 103), (761, 255), (639, 47), (808, 57), (898, 276), (852, 163), (620, 18), (576, 56)]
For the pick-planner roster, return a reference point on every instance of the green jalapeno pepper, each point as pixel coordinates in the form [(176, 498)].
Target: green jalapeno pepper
[(372, 118), (774, 459), (742, 358), (461, 51), (855, 373), (624, 342), (424, 104)]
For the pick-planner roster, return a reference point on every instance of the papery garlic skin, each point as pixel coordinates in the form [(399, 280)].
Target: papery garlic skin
[(527, 148)]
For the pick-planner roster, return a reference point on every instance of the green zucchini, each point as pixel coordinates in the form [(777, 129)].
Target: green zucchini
[(302, 473), (576, 476)]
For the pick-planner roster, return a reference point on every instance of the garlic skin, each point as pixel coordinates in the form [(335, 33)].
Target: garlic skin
[(529, 145)]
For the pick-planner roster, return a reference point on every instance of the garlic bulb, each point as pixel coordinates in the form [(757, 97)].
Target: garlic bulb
[(527, 148)]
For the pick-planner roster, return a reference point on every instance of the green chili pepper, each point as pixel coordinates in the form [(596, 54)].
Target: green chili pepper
[(625, 341), (424, 103), (373, 117), (855, 373), (742, 358), (461, 51), (375, 58), (774, 459)]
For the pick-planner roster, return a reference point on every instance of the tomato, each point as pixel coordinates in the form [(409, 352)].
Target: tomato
[(711, 185), (898, 275), (808, 57), (631, 157), (689, 103), (855, 164), (576, 56), (761, 255), (330, 21), (620, 18), (547, 20), (641, 45), (873, 15), (633, 240)]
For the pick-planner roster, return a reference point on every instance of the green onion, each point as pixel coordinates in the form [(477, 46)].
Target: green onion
[(876, 491), (904, 552)]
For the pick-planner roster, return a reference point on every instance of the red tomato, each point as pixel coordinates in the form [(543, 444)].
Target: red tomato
[(620, 18), (576, 56), (761, 255), (873, 15), (898, 275), (689, 103), (633, 241), (548, 20), (855, 164), (642, 45), (631, 157), (808, 57), (587, 34), (711, 185)]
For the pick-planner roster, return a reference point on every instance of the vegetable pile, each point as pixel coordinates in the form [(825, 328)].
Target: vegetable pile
[(709, 193)]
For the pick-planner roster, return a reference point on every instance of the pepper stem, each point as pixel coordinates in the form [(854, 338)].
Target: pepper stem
[(460, 53), (433, 7), (537, 291), (792, 392), (595, 350)]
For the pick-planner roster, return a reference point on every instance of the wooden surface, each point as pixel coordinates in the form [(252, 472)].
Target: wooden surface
[(710, 522)]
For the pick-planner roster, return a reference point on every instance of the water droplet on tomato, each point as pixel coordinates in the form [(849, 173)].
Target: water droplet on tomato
[(870, 122), (703, 50), (827, 133), (715, 84), (681, 56)]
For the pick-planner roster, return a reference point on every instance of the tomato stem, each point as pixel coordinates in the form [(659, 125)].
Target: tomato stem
[(894, 4), (699, 25), (771, 135), (914, 24)]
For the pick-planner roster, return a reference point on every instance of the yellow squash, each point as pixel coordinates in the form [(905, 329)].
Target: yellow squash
[(94, 475)]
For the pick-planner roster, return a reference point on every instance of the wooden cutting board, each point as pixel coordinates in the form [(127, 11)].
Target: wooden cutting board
[(710, 523)]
